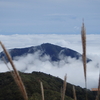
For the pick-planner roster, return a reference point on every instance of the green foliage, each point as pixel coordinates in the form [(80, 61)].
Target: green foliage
[(52, 87), (35, 96)]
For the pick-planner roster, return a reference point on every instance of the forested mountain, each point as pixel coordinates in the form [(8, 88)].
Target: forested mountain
[(55, 52), (52, 87)]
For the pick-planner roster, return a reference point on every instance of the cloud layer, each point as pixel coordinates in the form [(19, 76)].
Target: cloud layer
[(65, 40), (73, 69)]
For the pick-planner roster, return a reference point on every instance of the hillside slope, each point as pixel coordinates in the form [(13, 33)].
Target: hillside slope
[(52, 87)]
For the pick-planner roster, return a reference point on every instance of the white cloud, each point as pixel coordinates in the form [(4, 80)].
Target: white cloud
[(70, 41), (73, 69)]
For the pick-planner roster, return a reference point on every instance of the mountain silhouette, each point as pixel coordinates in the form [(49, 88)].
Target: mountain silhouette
[(55, 52)]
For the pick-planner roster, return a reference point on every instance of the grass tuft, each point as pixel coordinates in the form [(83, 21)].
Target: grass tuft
[(64, 88), (83, 37), (74, 93), (42, 90), (15, 74)]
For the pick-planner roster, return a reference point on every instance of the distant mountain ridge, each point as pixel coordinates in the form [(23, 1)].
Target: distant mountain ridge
[(51, 50)]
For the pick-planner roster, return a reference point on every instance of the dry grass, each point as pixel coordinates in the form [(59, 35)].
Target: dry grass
[(42, 90), (83, 37), (64, 88), (15, 74), (74, 93)]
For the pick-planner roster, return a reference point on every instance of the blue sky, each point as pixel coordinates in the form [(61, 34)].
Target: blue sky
[(49, 16)]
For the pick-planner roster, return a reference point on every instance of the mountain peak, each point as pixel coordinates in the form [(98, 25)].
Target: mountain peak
[(54, 51)]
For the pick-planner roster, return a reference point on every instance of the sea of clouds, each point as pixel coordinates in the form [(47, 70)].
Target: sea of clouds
[(73, 69)]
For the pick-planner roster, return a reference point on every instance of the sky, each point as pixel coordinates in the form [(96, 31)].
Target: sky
[(49, 16), (73, 69)]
